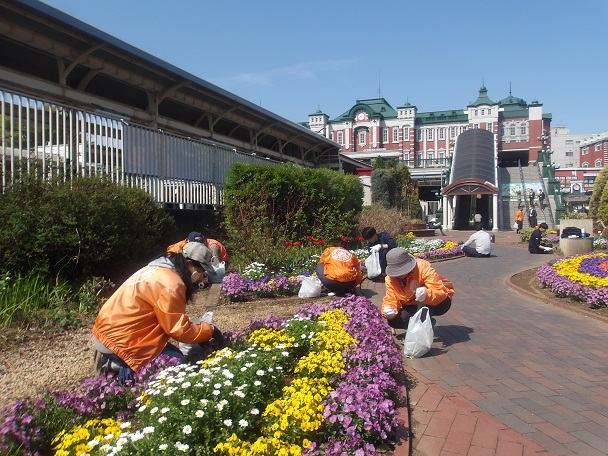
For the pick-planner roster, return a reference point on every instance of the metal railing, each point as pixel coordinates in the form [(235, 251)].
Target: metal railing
[(65, 142)]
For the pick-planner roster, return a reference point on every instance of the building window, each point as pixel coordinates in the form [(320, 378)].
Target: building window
[(523, 130), (441, 133), (483, 112), (362, 138), (463, 129), (331, 135), (385, 135), (430, 157), (598, 163), (512, 130), (489, 126), (489, 112), (429, 134), (569, 141), (475, 125), (570, 154), (419, 135), (452, 132), (585, 150), (502, 130), (340, 137), (395, 135), (476, 111), (406, 133), (598, 146), (585, 165)]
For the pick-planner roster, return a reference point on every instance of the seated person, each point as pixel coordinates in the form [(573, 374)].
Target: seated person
[(339, 269), (535, 245), (434, 223), (381, 242), (134, 326), (412, 283), (479, 244)]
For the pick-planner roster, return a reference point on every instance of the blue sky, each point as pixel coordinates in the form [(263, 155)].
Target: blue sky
[(293, 58)]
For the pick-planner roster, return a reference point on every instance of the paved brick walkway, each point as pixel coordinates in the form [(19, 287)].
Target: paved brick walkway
[(507, 374)]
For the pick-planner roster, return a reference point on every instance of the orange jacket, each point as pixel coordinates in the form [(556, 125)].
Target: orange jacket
[(519, 217), (177, 247), (341, 265), (402, 292), (223, 253), (140, 317)]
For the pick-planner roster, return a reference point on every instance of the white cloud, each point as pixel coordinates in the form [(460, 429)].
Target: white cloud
[(304, 71)]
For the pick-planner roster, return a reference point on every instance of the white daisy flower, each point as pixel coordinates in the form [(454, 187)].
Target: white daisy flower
[(243, 423), (259, 372), (185, 401), (228, 423), (148, 430), (187, 429), (162, 419), (163, 446), (254, 411), (199, 413)]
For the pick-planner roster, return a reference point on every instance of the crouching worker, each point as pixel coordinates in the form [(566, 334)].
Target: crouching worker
[(412, 283), (536, 244), (134, 326), (339, 269)]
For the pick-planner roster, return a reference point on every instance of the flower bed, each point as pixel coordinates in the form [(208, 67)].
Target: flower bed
[(582, 277), (257, 281), (322, 382)]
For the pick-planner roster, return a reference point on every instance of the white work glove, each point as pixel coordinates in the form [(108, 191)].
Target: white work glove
[(547, 249), (376, 248), (420, 294)]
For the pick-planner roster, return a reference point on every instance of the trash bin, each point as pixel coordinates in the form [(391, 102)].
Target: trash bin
[(493, 238)]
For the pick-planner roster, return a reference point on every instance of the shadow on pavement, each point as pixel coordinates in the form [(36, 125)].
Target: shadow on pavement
[(453, 334)]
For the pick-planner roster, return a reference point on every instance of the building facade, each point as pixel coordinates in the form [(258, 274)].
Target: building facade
[(373, 128), (566, 146)]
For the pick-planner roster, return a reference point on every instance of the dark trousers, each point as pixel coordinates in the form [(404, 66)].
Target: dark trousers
[(472, 252), (334, 285), (403, 318)]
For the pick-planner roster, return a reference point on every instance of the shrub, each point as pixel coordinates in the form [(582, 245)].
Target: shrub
[(390, 220), (267, 205), (383, 187), (78, 229), (598, 189)]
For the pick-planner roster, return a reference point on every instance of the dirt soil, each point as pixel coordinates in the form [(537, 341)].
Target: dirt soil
[(35, 362)]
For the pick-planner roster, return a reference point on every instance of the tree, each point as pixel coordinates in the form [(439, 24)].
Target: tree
[(598, 191)]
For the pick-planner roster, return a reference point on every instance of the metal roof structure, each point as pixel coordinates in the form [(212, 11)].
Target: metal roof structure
[(45, 52)]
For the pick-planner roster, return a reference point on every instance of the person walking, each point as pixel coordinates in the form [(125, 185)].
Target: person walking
[(532, 216), (541, 199), (519, 219), (519, 203), (531, 195)]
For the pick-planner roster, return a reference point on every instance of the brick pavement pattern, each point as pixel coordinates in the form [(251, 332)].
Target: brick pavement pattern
[(507, 375)]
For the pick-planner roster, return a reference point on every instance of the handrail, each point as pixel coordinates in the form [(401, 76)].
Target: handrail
[(542, 181), (523, 187)]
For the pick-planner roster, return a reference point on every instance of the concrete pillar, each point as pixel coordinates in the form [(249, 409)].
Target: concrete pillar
[(495, 212)]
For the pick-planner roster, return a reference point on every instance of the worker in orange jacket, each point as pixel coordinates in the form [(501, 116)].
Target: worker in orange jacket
[(218, 251), (519, 219), (339, 269), (412, 283), (134, 326)]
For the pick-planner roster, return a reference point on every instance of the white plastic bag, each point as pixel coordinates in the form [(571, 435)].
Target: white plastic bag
[(310, 288), (219, 271), (515, 225), (419, 336), (191, 350), (372, 264)]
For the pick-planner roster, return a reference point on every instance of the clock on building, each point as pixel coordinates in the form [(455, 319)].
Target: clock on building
[(361, 115)]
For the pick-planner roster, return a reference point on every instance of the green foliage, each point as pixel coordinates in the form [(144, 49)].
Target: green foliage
[(268, 205), (392, 186), (34, 301), (574, 216), (602, 209), (84, 228), (599, 187), (383, 187), (525, 234)]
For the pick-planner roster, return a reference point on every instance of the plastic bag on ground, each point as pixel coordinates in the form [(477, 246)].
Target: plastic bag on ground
[(419, 336), (372, 265), (310, 288), (219, 271)]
